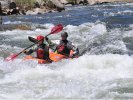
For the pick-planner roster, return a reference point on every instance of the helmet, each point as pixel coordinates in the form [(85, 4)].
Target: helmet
[(40, 38), (64, 34)]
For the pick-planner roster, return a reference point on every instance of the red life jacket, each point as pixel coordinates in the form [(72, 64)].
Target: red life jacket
[(40, 53), (60, 48), (63, 49)]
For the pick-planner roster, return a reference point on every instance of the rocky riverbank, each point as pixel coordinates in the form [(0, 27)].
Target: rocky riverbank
[(10, 7), (28, 7)]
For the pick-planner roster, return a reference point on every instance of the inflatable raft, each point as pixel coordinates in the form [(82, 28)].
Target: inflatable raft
[(53, 56)]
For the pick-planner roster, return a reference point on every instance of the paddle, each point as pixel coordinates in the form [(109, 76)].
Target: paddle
[(54, 30), (32, 39)]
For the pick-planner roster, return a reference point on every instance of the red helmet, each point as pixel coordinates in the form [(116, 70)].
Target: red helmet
[(40, 38)]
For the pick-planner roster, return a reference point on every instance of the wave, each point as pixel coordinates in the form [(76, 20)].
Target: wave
[(84, 77)]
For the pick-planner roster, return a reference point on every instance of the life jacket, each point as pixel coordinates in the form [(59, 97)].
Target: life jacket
[(41, 54), (62, 48)]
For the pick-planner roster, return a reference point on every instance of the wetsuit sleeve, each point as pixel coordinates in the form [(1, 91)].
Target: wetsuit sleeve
[(72, 47), (51, 44), (30, 51)]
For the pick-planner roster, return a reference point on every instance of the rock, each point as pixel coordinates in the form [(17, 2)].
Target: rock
[(60, 9), (76, 2), (63, 1), (12, 5), (39, 10), (23, 12), (29, 12), (91, 2), (36, 11), (15, 11), (58, 4), (36, 5), (85, 2), (70, 4), (0, 9)]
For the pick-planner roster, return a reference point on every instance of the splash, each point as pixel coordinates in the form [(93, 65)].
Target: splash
[(84, 77)]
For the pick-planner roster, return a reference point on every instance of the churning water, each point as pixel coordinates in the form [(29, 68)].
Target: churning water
[(104, 36)]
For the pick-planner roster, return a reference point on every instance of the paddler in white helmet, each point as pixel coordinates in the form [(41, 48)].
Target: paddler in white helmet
[(65, 46)]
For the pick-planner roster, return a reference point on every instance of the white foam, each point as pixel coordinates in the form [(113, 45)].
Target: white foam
[(77, 78), (15, 22), (128, 11)]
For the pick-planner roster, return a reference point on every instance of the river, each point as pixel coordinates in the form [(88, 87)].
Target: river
[(104, 36)]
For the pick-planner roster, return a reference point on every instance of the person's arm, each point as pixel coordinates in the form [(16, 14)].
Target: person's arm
[(51, 44), (76, 52), (74, 48), (30, 51)]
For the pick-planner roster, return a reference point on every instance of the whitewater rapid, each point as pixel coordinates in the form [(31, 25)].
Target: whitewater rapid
[(103, 71), (87, 77)]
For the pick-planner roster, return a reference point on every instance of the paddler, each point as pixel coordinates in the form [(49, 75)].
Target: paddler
[(65, 46), (41, 49)]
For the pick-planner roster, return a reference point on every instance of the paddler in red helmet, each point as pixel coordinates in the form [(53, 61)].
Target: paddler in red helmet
[(41, 49)]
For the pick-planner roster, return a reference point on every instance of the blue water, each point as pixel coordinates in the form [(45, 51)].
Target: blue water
[(112, 14)]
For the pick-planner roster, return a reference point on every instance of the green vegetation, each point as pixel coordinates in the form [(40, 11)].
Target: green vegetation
[(25, 2), (71, 0), (30, 3)]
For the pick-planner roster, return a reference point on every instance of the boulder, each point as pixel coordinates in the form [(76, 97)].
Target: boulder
[(84, 2), (36, 5), (36, 11), (91, 2), (15, 11), (63, 1), (39, 10), (29, 12), (58, 4), (12, 5)]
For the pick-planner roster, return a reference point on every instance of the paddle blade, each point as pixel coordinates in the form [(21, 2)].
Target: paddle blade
[(32, 39), (11, 57), (56, 29)]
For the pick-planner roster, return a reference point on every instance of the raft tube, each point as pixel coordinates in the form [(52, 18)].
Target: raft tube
[(53, 56)]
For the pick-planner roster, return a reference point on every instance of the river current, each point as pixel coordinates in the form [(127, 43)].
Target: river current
[(104, 36)]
